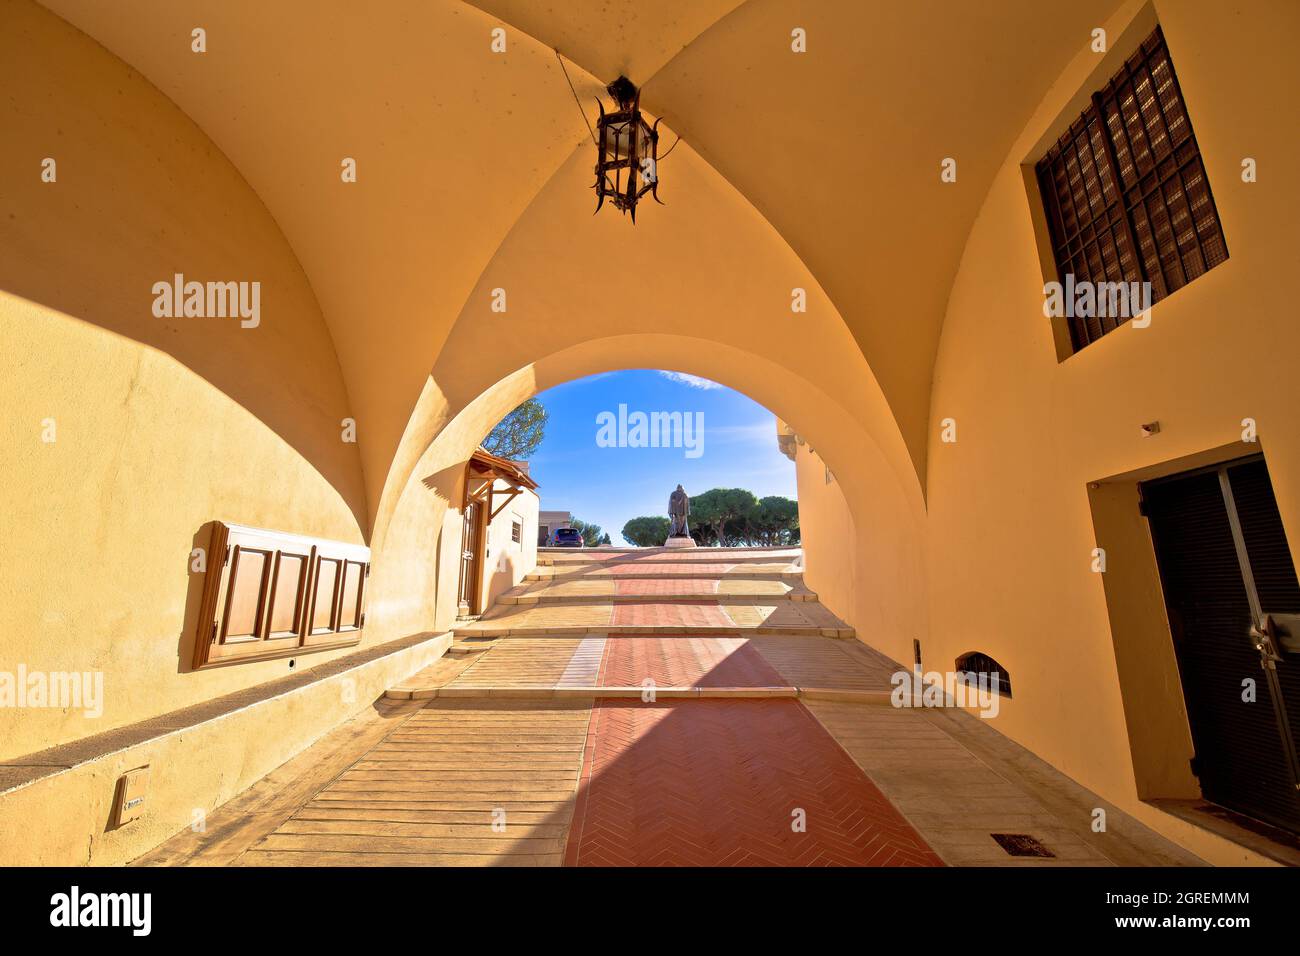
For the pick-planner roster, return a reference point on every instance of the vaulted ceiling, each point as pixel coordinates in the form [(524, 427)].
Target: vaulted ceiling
[(839, 148)]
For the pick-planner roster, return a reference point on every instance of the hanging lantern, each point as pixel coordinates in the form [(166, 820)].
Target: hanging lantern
[(627, 151)]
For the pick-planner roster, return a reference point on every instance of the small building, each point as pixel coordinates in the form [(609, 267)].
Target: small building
[(498, 531), (548, 521)]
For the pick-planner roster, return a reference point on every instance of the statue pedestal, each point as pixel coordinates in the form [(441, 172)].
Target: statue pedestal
[(680, 541)]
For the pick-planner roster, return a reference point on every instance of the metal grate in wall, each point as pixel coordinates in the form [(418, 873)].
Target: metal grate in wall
[(1125, 190)]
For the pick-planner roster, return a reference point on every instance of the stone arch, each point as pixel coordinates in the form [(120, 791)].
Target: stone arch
[(887, 514)]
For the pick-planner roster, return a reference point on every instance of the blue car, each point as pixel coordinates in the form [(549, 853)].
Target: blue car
[(565, 538)]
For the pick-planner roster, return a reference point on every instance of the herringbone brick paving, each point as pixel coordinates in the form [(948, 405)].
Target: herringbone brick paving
[(727, 783), (671, 614), (685, 662), (669, 567), (660, 586)]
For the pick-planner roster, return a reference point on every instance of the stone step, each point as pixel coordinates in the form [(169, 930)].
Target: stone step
[(470, 648), (509, 598), (551, 574), (677, 630), (775, 549), (415, 691), (696, 558)]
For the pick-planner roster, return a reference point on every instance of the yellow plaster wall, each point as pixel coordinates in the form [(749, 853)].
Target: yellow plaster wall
[(160, 425), (417, 541), (505, 563), (839, 147), (192, 770), (1010, 529), (829, 536), (451, 142)]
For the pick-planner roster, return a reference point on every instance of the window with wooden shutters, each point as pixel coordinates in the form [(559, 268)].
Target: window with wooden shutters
[(269, 594), (1125, 191)]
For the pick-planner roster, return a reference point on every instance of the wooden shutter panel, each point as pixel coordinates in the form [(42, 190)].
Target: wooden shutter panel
[(274, 594)]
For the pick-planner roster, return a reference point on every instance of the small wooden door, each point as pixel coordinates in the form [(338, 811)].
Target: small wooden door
[(470, 545)]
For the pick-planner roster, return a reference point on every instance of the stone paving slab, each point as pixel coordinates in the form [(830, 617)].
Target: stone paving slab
[(822, 663), (548, 662), (957, 801), (449, 788)]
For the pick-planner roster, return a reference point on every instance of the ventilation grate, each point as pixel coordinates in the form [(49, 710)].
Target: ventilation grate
[(1021, 844)]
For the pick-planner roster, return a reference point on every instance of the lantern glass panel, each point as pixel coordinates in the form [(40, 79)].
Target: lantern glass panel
[(620, 141)]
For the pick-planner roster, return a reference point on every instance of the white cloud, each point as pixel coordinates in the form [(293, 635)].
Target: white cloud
[(758, 432), (694, 381)]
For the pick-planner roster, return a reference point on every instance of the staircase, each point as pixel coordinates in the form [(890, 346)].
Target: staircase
[(652, 590), (705, 622)]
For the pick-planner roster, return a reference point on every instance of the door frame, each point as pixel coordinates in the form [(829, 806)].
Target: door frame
[(1150, 681), (1260, 631), (471, 589), (483, 471)]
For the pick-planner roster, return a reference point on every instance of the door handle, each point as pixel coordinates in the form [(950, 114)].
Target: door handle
[(1267, 636), (1286, 632), (1264, 636)]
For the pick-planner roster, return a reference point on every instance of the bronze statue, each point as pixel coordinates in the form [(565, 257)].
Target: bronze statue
[(679, 507)]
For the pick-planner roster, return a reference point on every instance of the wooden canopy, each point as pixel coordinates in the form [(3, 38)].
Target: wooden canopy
[(484, 470)]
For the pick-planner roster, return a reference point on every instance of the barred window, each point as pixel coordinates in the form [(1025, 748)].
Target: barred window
[(1125, 191), (979, 666)]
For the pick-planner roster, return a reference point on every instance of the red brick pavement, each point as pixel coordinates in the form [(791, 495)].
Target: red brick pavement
[(671, 614), (666, 587), (669, 567), (717, 783), (686, 662)]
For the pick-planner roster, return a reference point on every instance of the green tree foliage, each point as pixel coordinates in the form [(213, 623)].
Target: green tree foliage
[(713, 510), (592, 534), (647, 532), (775, 522), (518, 434), (726, 517)]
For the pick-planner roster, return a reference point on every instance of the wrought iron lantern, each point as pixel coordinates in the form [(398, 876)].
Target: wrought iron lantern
[(627, 151)]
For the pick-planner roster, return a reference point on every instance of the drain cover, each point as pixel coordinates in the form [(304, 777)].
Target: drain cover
[(1021, 844)]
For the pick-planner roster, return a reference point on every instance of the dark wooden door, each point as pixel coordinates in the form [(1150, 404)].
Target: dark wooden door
[(469, 546), (1234, 613)]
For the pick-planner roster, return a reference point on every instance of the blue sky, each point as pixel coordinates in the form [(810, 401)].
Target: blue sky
[(608, 486)]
